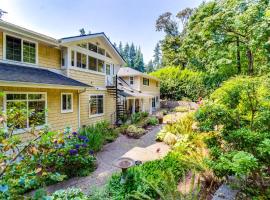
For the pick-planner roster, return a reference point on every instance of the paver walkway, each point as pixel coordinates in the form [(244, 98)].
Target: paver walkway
[(105, 159)]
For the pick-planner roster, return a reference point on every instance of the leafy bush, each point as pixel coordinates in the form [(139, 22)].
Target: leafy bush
[(98, 134), (150, 171), (176, 83), (51, 159), (239, 111), (136, 117), (135, 132), (170, 138), (152, 121)]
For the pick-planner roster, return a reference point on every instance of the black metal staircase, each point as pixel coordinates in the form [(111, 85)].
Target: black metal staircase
[(120, 105)]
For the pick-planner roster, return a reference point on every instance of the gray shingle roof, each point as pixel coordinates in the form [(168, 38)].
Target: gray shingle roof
[(18, 73)]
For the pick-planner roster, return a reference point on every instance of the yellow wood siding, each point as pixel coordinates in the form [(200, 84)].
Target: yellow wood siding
[(87, 77), (109, 107), (1, 45), (49, 57), (56, 119), (152, 88)]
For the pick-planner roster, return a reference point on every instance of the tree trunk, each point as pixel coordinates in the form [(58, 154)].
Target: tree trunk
[(250, 62), (238, 56)]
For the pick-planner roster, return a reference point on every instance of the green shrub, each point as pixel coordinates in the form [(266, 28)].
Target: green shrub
[(53, 158), (176, 83), (69, 194), (98, 134), (152, 121), (180, 109), (149, 171), (135, 132), (136, 117)]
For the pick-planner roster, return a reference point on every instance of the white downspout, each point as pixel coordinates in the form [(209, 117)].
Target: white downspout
[(79, 107)]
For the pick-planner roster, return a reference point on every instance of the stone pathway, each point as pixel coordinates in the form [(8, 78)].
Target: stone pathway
[(105, 159)]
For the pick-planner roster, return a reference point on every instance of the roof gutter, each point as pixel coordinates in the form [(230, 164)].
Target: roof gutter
[(40, 85)]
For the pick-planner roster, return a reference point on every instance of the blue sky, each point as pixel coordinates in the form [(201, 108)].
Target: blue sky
[(121, 20)]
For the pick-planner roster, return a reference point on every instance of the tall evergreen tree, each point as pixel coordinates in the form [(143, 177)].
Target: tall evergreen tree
[(132, 55), (126, 54), (149, 67), (120, 48), (157, 57), (138, 62)]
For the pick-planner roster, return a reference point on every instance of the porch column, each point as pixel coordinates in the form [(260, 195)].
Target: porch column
[(133, 106)]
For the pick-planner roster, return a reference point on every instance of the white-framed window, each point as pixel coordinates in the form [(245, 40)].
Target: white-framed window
[(96, 105), (131, 80), (146, 81), (153, 102), (72, 58), (66, 102), (21, 50), (30, 106), (108, 69)]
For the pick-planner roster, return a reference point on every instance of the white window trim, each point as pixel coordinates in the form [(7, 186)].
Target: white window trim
[(22, 40), (132, 80), (89, 106), (68, 110), (20, 131)]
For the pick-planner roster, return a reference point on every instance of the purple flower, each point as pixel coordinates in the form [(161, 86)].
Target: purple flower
[(69, 137), (84, 145), (74, 133), (73, 151), (82, 137), (77, 146), (91, 152)]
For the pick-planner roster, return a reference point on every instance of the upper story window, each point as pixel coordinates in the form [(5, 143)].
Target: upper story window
[(108, 69), (81, 60), (131, 80), (101, 51), (83, 45), (108, 55), (72, 58), (20, 50), (157, 84), (146, 81), (92, 47), (92, 63), (100, 66)]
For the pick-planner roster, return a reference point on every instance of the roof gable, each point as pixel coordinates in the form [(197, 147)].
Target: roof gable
[(101, 35)]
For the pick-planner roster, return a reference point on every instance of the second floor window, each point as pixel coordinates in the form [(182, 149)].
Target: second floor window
[(20, 50), (146, 81), (72, 58), (81, 60), (131, 80)]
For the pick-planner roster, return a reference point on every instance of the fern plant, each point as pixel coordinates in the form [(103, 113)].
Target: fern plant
[(167, 188)]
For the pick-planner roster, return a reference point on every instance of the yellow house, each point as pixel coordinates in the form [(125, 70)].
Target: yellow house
[(140, 92), (60, 83)]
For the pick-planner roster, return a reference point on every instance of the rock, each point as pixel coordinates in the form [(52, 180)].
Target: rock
[(225, 192)]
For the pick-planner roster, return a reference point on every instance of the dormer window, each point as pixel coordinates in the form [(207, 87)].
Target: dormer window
[(20, 50)]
